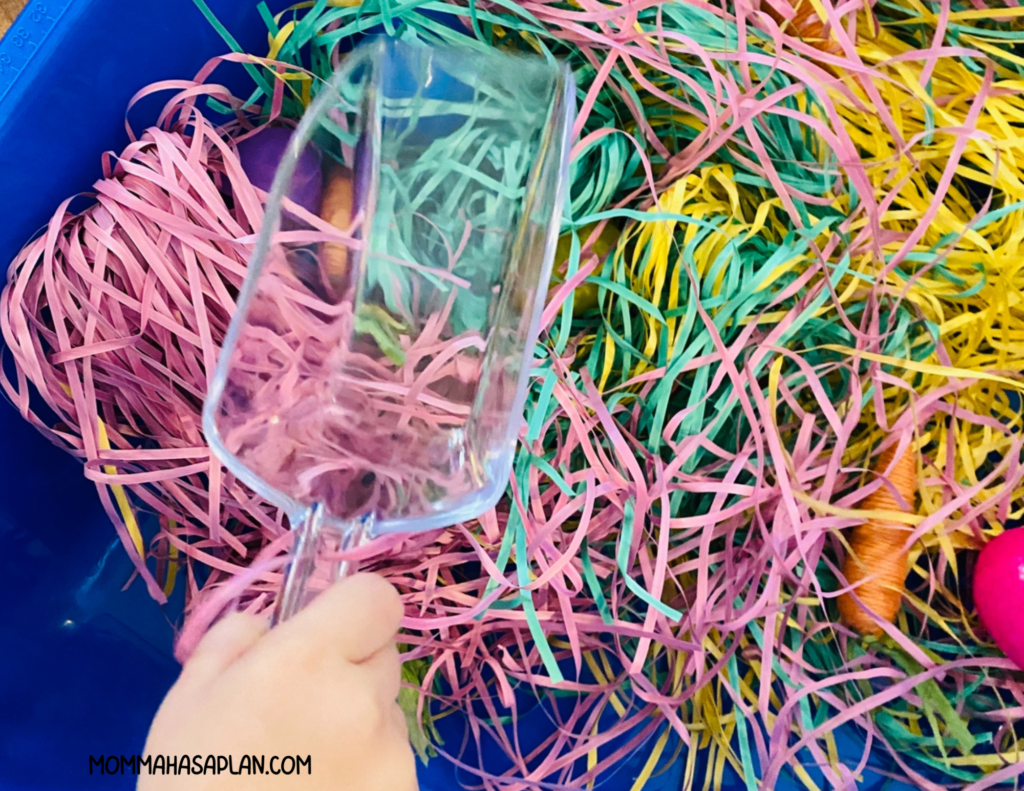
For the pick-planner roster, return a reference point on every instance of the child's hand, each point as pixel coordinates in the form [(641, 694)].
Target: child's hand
[(323, 684)]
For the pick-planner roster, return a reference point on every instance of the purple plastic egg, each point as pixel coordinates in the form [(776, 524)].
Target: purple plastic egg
[(999, 592), (262, 153)]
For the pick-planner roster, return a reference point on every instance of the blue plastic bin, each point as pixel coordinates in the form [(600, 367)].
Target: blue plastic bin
[(83, 664)]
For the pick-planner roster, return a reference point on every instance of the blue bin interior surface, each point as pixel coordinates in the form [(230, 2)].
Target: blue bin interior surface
[(83, 663)]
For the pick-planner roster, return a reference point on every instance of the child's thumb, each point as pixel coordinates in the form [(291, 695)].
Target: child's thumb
[(356, 617)]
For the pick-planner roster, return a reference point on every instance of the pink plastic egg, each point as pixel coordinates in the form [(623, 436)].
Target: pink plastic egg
[(999, 592)]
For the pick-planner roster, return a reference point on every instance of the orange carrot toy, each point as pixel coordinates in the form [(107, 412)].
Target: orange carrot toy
[(336, 209), (807, 24), (877, 563)]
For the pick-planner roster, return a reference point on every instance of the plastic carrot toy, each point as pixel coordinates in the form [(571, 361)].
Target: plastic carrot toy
[(337, 210), (877, 563), (807, 24)]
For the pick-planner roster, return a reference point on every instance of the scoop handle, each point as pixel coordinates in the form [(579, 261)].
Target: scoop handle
[(313, 535)]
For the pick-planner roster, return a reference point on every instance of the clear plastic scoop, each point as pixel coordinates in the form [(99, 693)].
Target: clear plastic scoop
[(373, 376)]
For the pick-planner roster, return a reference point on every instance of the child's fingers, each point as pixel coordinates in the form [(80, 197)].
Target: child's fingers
[(385, 667), (356, 618), (229, 639)]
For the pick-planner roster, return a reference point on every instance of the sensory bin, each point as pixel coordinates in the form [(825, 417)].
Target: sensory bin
[(774, 419)]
